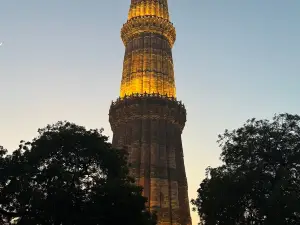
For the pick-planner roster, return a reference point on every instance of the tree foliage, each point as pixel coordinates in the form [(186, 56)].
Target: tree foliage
[(69, 176), (259, 181)]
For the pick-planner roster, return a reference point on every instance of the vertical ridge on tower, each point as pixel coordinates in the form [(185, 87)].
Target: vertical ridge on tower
[(146, 118), (157, 8)]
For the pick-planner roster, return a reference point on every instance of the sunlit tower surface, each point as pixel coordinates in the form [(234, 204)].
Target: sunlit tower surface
[(147, 119)]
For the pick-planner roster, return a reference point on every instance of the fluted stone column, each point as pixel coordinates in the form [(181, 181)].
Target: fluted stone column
[(147, 119)]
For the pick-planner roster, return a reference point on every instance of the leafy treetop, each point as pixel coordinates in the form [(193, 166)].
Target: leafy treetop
[(69, 175), (259, 182)]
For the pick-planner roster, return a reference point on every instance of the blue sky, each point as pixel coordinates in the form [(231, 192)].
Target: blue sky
[(234, 60)]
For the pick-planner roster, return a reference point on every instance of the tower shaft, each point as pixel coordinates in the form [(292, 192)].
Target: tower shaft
[(146, 118), (148, 37)]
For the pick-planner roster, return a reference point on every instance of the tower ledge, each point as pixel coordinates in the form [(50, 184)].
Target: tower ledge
[(147, 106), (151, 24)]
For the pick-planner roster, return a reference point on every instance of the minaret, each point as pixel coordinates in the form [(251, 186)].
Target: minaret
[(147, 119)]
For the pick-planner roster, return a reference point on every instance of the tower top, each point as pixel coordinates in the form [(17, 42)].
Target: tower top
[(158, 8)]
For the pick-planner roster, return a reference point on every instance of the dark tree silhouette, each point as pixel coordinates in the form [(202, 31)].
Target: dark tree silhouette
[(259, 182), (69, 176)]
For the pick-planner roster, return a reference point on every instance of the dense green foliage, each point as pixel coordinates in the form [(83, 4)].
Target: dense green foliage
[(259, 181), (69, 176)]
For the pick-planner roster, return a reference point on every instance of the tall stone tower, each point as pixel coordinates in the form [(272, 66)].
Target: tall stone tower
[(146, 118)]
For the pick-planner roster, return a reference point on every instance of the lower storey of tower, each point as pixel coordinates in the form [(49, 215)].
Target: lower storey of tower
[(150, 129)]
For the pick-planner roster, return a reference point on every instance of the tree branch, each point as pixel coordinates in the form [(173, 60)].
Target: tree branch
[(9, 214)]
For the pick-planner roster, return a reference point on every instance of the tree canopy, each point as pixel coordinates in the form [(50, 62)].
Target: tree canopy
[(69, 175), (259, 180)]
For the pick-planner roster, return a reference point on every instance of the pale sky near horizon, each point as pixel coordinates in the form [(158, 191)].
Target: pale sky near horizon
[(234, 60)]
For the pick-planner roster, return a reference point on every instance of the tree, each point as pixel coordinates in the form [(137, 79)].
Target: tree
[(259, 181), (69, 176)]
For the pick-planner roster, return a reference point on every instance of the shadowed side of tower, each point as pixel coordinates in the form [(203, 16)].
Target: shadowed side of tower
[(147, 118)]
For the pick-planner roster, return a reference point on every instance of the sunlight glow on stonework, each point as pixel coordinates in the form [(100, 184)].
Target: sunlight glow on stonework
[(149, 8), (148, 36)]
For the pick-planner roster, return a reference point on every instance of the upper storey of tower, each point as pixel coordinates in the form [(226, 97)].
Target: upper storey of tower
[(148, 16), (148, 36), (157, 8)]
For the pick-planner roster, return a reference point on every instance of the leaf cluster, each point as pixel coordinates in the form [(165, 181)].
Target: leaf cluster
[(259, 182), (69, 176)]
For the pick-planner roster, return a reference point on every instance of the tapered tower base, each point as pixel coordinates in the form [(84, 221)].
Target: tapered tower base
[(150, 127)]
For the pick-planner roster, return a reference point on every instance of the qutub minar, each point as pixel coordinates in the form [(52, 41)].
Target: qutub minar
[(147, 119)]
